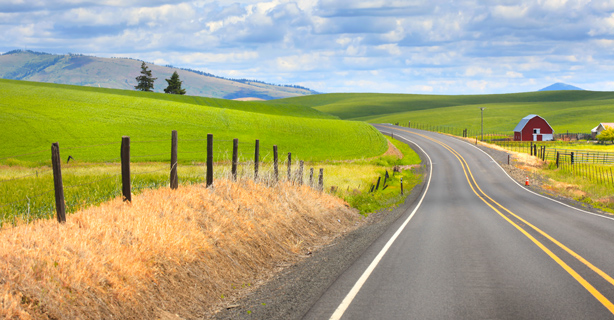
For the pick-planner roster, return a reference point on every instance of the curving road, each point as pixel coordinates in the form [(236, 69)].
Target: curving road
[(476, 245)]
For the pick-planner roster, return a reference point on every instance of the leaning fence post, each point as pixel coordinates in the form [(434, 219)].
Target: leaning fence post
[(256, 159), (125, 155), (321, 179), (209, 159), (235, 157), (289, 166), (60, 205), (300, 172), (174, 178), (275, 164)]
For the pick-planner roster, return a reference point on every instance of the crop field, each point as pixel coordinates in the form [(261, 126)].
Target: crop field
[(573, 111), (27, 193), (88, 123)]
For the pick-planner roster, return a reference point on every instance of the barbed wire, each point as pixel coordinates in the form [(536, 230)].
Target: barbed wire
[(146, 172), (91, 182), (149, 141), (28, 175), (27, 198), (150, 155), (25, 154), (91, 146)]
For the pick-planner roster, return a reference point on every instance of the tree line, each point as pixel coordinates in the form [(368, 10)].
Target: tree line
[(145, 82)]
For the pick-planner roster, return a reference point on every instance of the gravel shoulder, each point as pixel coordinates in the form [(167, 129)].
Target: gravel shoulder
[(292, 292)]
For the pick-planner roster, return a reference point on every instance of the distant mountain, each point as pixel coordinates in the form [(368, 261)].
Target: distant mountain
[(120, 73), (560, 86)]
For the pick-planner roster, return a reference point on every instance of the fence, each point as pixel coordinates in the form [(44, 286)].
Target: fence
[(489, 135), (579, 163), (124, 176)]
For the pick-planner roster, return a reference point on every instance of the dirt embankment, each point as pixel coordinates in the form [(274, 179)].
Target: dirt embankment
[(169, 254)]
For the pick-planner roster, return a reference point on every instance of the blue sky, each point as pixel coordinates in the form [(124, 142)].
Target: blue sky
[(438, 47)]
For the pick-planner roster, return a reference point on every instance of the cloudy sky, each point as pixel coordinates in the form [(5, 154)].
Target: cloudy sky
[(401, 46)]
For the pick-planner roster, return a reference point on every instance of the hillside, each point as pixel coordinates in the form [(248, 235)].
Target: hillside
[(576, 111), (34, 115), (120, 73)]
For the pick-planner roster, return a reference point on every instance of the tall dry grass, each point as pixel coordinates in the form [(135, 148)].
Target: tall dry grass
[(180, 252)]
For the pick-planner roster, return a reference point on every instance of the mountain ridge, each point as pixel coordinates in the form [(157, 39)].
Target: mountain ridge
[(560, 86), (120, 73)]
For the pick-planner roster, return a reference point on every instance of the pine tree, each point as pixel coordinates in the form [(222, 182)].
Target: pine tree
[(174, 85), (145, 80)]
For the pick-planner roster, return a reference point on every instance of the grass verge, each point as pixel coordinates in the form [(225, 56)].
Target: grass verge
[(169, 252), (586, 183)]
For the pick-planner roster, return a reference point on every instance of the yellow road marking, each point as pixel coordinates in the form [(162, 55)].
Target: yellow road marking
[(467, 171)]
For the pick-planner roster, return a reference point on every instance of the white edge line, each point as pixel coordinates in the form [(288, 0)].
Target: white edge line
[(361, 281), (535, 193)]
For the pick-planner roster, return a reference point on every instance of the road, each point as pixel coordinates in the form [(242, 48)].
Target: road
[(477, 245)]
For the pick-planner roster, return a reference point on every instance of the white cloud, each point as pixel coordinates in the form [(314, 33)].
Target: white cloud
[(513, 74), (477, 71), (467, 46)]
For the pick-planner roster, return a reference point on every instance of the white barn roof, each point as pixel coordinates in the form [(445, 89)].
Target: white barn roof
[(526, 120)]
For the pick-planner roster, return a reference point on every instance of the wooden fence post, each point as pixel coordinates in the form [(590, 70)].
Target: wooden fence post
[(321, 179), (401, 185), (311, 177), (572, 158), (60, 205), (378, 181), (558, 154), (125, 155), (209, 159), (275, 164), (409, 124), (300, 172), (289, 166), (531, 148), (174, 178), (235, 158), (256, 159)]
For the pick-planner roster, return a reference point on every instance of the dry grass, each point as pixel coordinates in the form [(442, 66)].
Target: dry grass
[(169, 252)]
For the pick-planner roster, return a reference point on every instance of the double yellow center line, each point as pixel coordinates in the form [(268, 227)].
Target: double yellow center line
[(497, 207)]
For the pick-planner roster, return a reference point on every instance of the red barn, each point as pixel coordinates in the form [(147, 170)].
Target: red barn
[(533, 128)]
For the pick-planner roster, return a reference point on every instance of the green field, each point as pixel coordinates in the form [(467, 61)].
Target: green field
[(88, 123), (573, 111)]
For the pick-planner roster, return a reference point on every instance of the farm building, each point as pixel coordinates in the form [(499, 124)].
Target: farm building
[(597, 130), (533, 128)]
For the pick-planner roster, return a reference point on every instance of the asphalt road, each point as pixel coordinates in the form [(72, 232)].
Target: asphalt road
[(478, 246)]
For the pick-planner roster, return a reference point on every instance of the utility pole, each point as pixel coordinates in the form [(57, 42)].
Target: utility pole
[(482, 116)]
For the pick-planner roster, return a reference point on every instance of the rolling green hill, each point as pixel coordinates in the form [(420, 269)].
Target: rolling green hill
[(573, 111), (120, 73), (33, 115)]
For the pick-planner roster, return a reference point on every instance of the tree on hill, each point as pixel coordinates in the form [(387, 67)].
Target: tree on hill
[(174, 85), (606, 135), (145, 80)]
